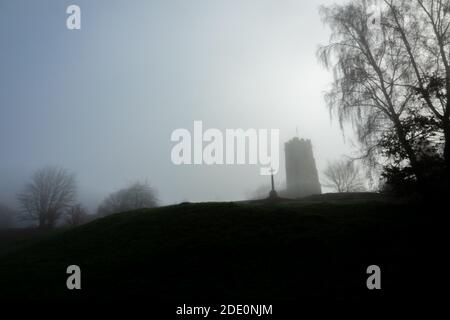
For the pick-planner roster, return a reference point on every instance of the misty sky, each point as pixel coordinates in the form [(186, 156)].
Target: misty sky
[(104, 100)]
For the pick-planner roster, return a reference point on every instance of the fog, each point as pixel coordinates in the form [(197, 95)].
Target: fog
[(103, 101)]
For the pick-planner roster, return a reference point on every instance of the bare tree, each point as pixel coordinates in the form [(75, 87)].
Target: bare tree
[(136, 196), (51, 191), (76, 216), (384, 68), (344, 176), (368, 66), (423, 30)]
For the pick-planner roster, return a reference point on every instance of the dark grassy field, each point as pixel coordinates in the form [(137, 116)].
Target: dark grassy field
[(252, 251)]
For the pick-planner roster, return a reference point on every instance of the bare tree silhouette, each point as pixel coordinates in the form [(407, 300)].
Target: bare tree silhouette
[(136, 196), (76, 216), (51, 191), (381, 70), (344, 176)]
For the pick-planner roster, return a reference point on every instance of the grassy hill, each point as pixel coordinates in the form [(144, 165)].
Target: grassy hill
[(226, 251)]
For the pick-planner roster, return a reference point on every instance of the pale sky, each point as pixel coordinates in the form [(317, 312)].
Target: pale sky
[(103, 101)]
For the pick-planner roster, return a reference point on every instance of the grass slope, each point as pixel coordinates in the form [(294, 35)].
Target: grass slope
[(228, 251)]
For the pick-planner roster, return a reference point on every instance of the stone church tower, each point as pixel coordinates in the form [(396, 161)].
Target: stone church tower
[(301, 172)]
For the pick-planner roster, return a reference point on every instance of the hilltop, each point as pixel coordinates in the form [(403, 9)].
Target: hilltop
[(317, 247)]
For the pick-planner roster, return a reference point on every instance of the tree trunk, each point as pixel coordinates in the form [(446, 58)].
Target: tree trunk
[(41, 222), (418, 172), (51, 220), (446, 122), (447, 150)]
